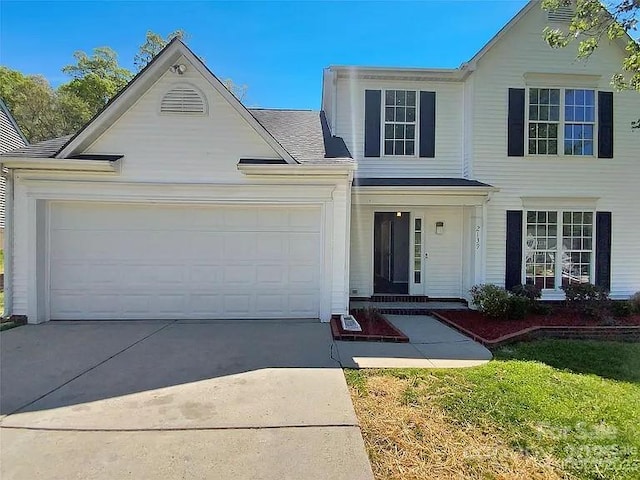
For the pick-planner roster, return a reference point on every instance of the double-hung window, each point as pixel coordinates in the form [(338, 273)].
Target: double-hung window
[(400, 113), (559, 248), (561, 120)]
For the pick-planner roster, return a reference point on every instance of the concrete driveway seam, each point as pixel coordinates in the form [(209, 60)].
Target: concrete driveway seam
[(178, 429), (87, 370)]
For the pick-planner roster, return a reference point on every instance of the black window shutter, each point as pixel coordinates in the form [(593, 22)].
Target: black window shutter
[(515, 129), (603, 249), (513, 271), (372, 109), (427, 124), (605, 124)]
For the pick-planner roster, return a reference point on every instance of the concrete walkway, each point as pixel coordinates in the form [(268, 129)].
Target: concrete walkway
[(241, 400), (432, 345)]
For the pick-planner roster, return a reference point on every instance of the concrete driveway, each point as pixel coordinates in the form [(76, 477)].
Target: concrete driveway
[(186, 399)]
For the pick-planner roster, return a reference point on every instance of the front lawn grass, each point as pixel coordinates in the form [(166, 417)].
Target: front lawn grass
[(545, 409)]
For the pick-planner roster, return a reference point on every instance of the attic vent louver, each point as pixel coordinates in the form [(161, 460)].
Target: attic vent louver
[(183, 99), (563, 14)]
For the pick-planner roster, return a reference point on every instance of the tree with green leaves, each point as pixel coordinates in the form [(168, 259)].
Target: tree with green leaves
[(96, 78), (153, 44), (43, 112), (40, 111), (593, 22)]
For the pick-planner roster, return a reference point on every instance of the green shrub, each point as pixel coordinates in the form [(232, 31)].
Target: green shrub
[(635, 302), (588, 299), (621, 309), (491, 300), (528, 291), (519, 307), (524, 300)]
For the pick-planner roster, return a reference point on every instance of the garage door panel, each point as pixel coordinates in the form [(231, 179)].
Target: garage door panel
[(273, 246), (243, 275), (270, 275), (302, 304), (303, 247), (206, 304), (140, 261), (240, 246), (205, 275)]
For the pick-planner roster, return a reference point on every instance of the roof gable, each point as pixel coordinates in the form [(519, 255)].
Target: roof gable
[(471, 64), (142, 82)]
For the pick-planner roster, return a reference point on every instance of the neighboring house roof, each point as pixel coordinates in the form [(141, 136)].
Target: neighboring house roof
[(10, 135), (10, 138), (418, 182), (304, 133)]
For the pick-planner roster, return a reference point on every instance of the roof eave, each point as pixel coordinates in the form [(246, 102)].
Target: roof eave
[(444, 74), (67, 165), (428, 190)]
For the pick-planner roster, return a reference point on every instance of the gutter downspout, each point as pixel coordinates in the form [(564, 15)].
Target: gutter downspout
[(8, 244)]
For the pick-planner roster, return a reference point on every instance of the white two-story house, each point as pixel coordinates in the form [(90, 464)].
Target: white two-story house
[(520, 166), (176, 201)]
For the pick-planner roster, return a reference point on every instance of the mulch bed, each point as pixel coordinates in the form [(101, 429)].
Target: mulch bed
[(489, 331), (375, 328)]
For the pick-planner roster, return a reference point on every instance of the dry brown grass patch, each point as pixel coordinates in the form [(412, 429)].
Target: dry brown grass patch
[(409, 437)]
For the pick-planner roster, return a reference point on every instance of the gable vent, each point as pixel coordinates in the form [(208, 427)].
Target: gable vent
[(563, 14), (183, 100)]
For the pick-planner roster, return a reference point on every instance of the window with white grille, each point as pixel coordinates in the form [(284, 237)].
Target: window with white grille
[(559, 248), (183, 99)]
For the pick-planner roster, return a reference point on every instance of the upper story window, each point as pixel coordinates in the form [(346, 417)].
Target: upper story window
[(400, 113), (561, 117), (579, 116)]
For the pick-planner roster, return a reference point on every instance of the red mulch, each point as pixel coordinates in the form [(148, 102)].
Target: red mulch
[(477, 323), (375, 328)]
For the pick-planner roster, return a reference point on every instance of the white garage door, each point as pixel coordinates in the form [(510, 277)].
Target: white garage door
[(129, 261)]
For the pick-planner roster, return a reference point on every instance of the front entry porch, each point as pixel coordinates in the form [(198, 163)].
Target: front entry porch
[(417, 240)]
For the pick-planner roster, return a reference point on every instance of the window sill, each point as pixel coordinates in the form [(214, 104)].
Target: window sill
[(563, 157)]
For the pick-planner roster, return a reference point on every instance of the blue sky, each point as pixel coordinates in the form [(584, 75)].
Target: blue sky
[(278, 49)]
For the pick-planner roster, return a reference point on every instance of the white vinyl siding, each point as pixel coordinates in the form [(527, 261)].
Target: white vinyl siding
[(349, 120), (182, 148), (611, 181)]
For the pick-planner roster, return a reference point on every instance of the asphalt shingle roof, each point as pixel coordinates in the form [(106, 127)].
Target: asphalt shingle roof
[(47, 148), (303, 133)]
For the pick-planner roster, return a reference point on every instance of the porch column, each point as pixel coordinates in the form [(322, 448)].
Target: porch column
[(340, 258), (479, 243)]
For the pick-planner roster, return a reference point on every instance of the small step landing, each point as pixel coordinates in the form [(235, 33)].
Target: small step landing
[(407, 304)]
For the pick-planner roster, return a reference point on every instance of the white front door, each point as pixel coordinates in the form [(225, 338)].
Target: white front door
[(128, 261)]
